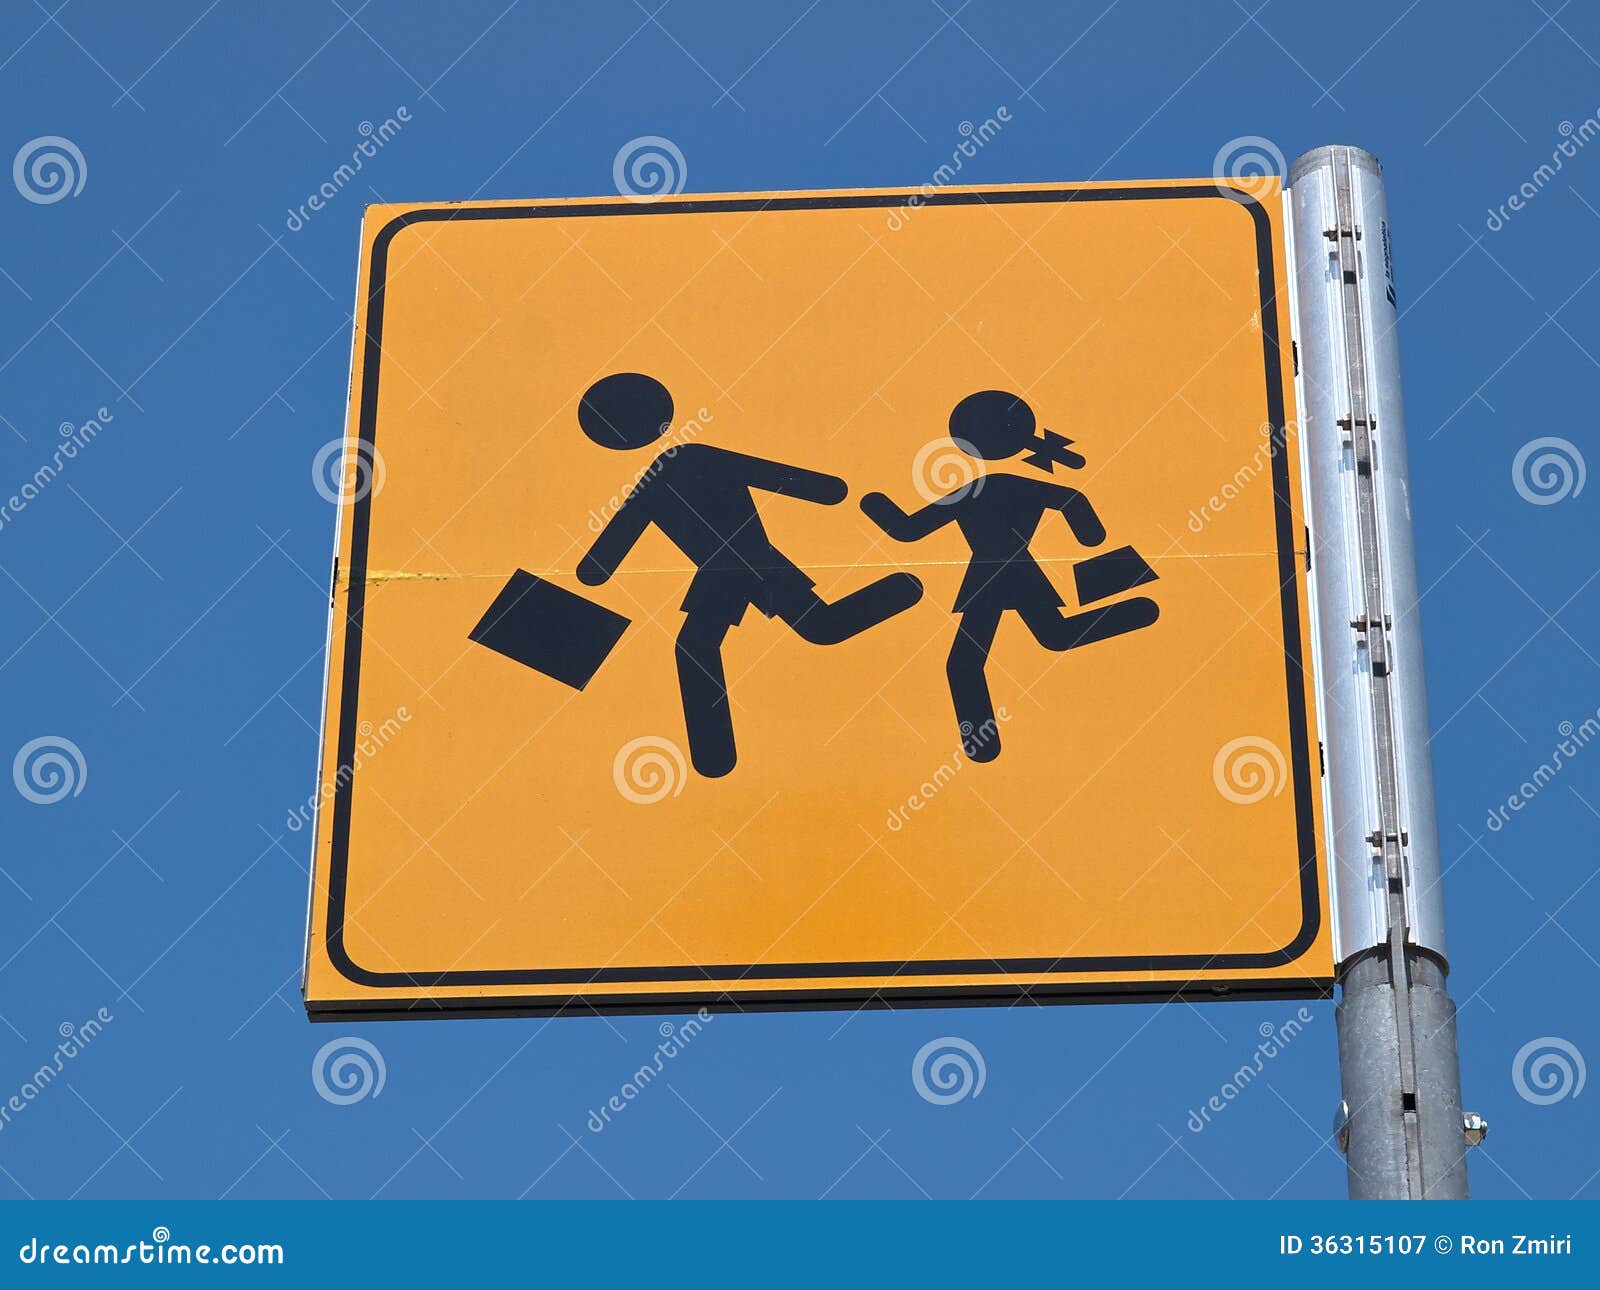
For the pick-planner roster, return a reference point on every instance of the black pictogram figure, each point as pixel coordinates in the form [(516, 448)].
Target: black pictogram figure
[(699, 497), (998, 515)]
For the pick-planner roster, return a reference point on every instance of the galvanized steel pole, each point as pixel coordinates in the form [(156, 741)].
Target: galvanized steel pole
[(1401, 1120)]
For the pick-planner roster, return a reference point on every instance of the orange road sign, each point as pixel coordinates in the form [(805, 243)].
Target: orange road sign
[(803, 599)]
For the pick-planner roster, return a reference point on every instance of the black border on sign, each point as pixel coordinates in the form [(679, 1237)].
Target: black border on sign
[(812, 996), (854, 998)]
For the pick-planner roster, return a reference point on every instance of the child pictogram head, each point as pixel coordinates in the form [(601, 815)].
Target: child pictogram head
[(625, 410), (994, 425)]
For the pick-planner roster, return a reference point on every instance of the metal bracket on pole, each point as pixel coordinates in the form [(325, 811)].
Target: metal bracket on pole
[(1401, 1120)]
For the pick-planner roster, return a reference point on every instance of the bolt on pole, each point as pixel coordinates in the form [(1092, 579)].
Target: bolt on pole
[(1400, 1120)]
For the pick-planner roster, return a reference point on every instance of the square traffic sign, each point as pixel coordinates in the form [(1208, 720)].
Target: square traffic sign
[(1011, 481)]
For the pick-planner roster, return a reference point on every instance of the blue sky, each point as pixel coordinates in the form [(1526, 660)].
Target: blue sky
[(163, 604)]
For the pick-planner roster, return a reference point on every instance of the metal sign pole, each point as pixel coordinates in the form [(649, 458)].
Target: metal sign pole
[(1400, 1121)]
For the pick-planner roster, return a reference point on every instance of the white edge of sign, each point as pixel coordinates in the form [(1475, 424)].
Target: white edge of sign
[(333, 606)]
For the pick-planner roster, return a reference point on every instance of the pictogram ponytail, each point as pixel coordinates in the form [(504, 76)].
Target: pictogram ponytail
[(1050, 450)]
